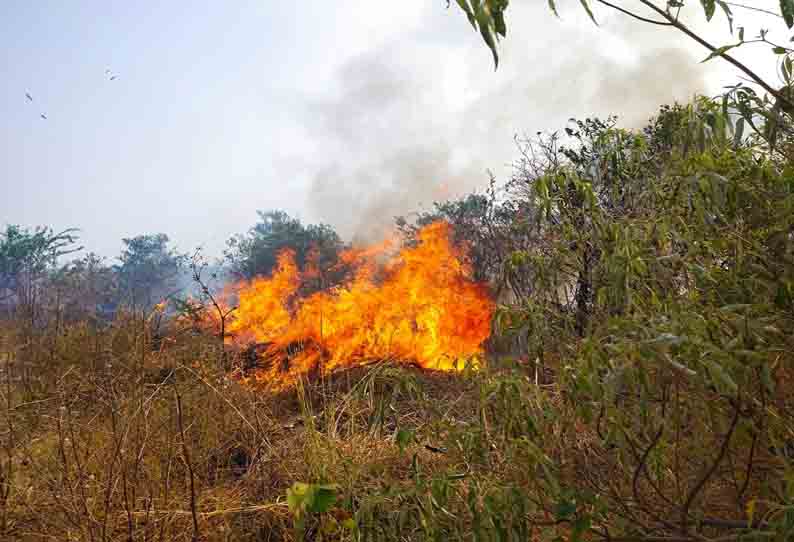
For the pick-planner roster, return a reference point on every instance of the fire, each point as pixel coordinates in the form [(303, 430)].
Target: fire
[(421, 306)]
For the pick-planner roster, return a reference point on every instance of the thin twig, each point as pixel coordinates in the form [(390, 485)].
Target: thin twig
[(630, 14), (753, 8), (186, 455), (228, 402), (707, 475), (755, 77), (749, 471)]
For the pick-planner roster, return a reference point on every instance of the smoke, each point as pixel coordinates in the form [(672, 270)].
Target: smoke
[(412, 124)]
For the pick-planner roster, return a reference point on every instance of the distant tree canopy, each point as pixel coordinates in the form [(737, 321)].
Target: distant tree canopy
[(25, 256), (85, 289), (149, 270), (254, 253), (480, 224)]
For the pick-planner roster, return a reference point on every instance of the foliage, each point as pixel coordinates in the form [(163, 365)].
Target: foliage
[(664, 286), (25, 256), (149, 270), (488, 18), (310, 499), (84, 290), (255, 253), (649, 398), (658, 316)]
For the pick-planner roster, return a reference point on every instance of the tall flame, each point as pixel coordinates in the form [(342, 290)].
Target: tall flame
[(424, 309)]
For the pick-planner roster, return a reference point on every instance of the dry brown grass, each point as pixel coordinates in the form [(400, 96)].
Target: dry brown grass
[(93, 449)]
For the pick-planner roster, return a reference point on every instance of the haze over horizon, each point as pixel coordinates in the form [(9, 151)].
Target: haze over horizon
[(347, 112)]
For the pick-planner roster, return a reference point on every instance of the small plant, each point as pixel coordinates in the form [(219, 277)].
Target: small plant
[(314, 501)]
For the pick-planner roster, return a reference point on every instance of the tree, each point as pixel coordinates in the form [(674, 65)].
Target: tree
[(482, 225), (663, 285), (210, 298), (25, 258), (255, 253), (85, 289), (149, 270)]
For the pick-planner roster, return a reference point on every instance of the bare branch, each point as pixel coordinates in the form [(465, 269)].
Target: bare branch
[(707, 475), (742, 67), (186, 455), (634, 15), (753, 8)]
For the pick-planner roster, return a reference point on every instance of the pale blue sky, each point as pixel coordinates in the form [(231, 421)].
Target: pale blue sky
[(347, 111)]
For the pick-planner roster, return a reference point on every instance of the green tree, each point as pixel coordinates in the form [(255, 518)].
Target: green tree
[(25, 258), (480, 224), (149, 270), (663, 285), (85, 289), (254, 253)]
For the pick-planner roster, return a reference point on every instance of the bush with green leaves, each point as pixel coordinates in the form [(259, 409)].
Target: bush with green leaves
[(664, 304), (25, 259)]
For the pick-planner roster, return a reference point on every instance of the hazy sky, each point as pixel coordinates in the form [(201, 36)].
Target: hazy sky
[(343, 111)]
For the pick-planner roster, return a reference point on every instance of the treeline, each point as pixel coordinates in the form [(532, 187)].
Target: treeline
[(40, 278), (37, 286)]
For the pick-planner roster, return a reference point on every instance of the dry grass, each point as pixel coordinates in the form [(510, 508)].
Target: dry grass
[(109, 435), (93, 448)]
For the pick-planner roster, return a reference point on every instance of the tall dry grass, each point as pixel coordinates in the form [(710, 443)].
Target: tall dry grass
[(137, 432)]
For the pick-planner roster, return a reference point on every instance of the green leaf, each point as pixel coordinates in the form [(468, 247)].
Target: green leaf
[(296, 495), (323, 497), (728, 13), (499, 23), (404, 438), (779, 50), (787, 68), (565, 509), (708, 7), (586, 7), (313, 498), (767, 378), (580, 526), (464, 5), (667, 339), (485, 22), (787, 11), (720, 377)]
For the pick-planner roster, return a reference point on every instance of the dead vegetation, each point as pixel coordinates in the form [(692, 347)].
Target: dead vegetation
[(106, 438)]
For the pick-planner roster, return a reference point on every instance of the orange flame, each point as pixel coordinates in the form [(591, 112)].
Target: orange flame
[(425, 309)]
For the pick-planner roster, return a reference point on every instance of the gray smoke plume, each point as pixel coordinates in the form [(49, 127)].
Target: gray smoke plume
[(412, 125)]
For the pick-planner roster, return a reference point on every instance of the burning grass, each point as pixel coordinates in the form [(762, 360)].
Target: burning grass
[(421, 305)]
